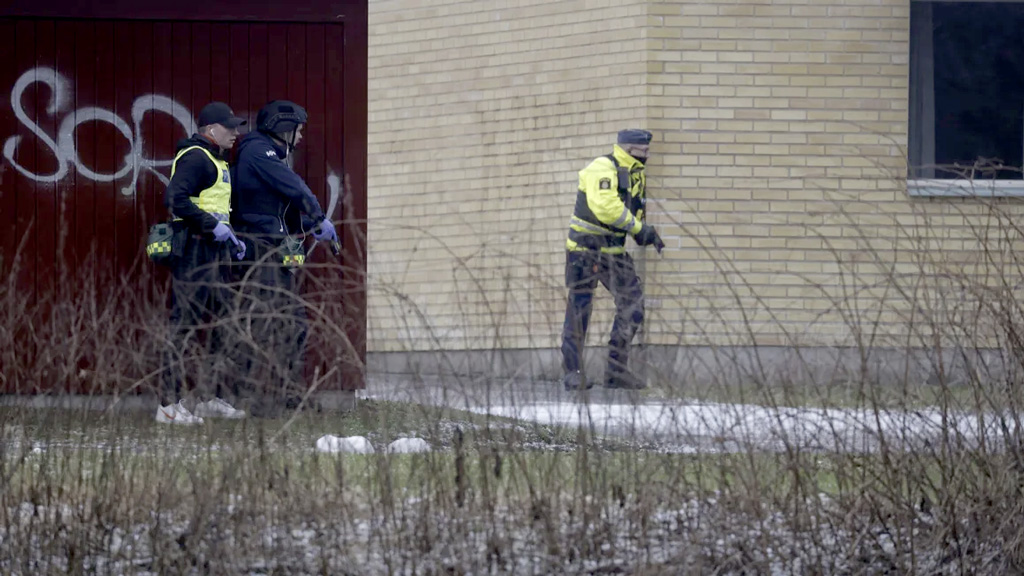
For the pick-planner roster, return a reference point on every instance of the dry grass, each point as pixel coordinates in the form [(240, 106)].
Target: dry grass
[(88, 492)]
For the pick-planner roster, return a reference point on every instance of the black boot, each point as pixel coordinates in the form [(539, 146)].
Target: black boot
[(622, 379), (575, 381)]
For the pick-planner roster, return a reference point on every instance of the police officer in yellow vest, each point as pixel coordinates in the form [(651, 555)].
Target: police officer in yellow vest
[(199, 199), (610, 204)]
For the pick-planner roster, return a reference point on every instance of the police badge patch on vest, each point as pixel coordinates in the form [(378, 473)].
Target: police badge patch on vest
[(605, 184), (225, 177)]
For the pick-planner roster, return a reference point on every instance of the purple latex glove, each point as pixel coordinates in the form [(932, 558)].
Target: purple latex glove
[(223, 233), (240, 250), (325, 231)]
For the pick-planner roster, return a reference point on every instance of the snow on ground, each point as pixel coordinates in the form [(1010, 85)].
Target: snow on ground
[(696, 536), (680, 425), (749, 425), (408, 446), (418, 538), (347, 445)]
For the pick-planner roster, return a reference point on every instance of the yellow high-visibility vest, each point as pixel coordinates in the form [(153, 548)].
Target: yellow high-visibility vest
[(217, 198)]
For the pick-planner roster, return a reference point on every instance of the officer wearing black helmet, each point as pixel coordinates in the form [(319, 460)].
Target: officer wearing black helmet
[(271, 200), (610, 203), (272, 210)]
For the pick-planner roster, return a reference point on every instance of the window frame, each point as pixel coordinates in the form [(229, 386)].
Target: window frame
[(948, 187)]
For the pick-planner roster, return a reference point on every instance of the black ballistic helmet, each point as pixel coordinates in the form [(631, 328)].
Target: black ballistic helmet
[(280, 116)]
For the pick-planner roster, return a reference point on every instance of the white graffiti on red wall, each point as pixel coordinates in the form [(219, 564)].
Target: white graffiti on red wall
[(334, 189), (64, 148)]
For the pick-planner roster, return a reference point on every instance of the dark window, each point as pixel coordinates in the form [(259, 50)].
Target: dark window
[(967, 90)]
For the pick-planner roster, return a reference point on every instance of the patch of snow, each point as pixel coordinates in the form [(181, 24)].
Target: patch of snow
[(347, 445), (846, 430), (627, 536), (408, 446)]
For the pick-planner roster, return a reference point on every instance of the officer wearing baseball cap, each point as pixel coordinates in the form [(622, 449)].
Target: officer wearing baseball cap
[(610, 201), (199, 199), (219, 113)]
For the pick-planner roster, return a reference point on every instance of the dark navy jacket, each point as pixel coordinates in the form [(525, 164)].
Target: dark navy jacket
[(268, 197)]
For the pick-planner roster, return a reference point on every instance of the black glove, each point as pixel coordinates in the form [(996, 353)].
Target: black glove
[(648, 236)]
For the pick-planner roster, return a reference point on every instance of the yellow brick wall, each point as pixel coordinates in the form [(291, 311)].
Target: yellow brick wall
[(784, 127), (780, 178), (776, 174), (480, 114)]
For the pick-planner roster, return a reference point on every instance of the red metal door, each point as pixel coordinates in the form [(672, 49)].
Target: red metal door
[(91, 111)]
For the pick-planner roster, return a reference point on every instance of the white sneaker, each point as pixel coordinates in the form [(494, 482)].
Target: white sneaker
[(176, 414), (218, 408)]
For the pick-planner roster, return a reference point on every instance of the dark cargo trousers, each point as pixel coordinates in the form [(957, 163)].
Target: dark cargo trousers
[(271, 353), (583, 270), (200, 293)]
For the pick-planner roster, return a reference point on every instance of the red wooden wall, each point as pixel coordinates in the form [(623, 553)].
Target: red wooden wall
[(94, 98)]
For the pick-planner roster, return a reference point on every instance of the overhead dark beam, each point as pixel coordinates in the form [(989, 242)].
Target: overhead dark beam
[(231, 10)]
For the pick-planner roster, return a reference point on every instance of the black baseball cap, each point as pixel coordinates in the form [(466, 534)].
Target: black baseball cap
[(219, 113)]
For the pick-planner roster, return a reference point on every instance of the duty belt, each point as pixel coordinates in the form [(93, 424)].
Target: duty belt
[(220, 217), (596, 241)]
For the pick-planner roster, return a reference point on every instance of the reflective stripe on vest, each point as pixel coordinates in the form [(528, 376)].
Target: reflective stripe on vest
[(217, 198), (586, 232)]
